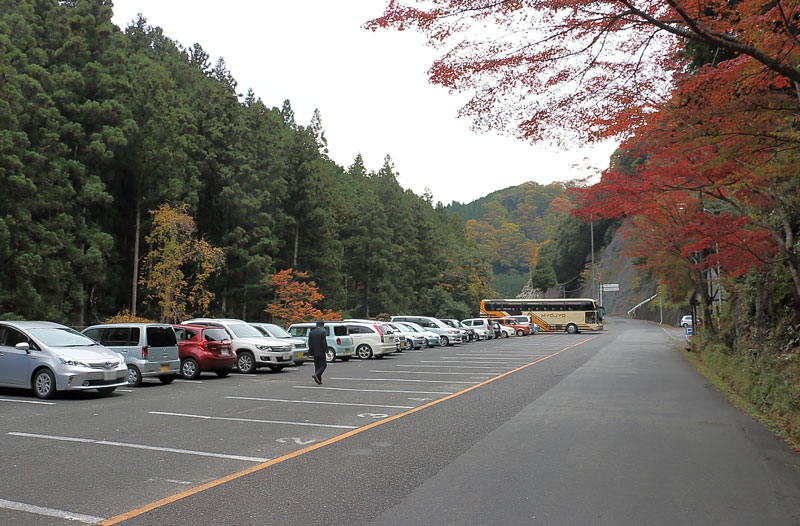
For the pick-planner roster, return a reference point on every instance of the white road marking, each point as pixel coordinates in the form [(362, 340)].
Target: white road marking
[(318, 402), (418, 372), (125, 390), (171, 481), (50, 512), (26, 401), (451, 366), (402, 380), (139, 446), (498, 363), (188, 381), (370, 390), (253, 420)]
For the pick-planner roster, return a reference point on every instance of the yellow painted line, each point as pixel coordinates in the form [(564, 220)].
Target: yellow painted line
[(253, 469)]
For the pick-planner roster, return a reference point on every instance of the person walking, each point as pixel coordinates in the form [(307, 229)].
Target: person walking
[(317, 347)]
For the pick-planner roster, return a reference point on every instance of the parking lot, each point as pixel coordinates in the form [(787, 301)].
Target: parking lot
[(84, 458)]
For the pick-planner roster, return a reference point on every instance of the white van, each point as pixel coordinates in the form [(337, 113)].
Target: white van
[(447, 335)]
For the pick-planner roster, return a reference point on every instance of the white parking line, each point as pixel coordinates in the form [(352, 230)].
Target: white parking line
[(451, 366), (125, 390), (417, 372), (370, 390), (139, 446), (499, 363), (50, 512), (318, 402), (26, 401), (402, 380), (253, 420), (188, 381)]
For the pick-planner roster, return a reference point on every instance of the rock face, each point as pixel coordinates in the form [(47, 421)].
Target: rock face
[(634, 286), (613, 266)]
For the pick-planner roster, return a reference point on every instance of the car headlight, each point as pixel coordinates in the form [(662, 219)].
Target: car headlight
[(72, 363), (263, 347)]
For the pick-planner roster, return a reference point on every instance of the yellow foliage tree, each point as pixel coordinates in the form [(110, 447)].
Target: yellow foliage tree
[(179, 264)]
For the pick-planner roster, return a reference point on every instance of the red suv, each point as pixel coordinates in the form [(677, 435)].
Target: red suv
[(204, 349)]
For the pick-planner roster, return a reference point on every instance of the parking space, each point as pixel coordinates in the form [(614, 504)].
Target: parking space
[(82, 458)]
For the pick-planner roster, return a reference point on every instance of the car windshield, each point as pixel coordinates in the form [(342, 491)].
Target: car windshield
[(58, 337), (276, 331), (243, 330), (408, 328)]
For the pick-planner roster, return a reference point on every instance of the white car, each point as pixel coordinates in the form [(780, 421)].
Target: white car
[(276, 331), (431, 338), (48, 357), (253, 349), (371, 339)]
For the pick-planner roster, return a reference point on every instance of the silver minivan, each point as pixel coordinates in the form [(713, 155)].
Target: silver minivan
[(150, 349), (49, 357)]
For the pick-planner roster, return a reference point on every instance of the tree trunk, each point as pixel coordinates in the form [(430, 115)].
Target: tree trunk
[(296, 244), (135, 283)]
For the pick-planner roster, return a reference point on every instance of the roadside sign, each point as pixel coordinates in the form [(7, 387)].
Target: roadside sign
[(688, 333), (610, 287)]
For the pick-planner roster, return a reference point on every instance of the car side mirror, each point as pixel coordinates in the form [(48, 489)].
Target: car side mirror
[(24, 346)]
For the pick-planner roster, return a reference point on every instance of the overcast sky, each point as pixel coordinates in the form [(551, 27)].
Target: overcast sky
[(371, 89)]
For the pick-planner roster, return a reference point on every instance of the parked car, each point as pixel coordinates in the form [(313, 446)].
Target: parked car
[(150, 349), (467, 333), (372, 339), (480, 323), (527, 321), (253, 349), (686, 321), (431, 338), (502, 331), (520, 329), (413, 339), (47, 357), (204, 349), (447, 335), (340, 343), (275, 331)]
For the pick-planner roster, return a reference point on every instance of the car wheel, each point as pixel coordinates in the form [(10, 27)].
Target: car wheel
[(223, 373), (44, 384), (364, 351), (685, 325), (520, 332), (444, 341), (572, 329), (276, 368), (330, 355), (505, 334), (190, 369), (167, 378), (134, 376), (246, 362), (105, 391)]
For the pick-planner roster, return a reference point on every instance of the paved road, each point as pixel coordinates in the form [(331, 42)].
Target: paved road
[(612, 428)]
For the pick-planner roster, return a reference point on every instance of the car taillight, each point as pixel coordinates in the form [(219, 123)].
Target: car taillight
[(144, 352), (338, 341), (379, 332)]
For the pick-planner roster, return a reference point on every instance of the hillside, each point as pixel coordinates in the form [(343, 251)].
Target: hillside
[(510, 225)]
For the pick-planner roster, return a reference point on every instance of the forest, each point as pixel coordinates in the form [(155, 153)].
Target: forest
[(102, 128)]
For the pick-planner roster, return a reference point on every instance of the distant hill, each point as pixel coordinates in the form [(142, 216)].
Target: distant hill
[(510, 225)]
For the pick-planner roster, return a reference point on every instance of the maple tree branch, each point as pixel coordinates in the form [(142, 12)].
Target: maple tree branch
[(697, 31)]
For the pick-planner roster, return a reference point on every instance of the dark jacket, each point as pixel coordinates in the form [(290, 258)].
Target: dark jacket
[(317, 341)]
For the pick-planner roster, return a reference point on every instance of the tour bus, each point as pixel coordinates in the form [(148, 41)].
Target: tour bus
[(552, 315)]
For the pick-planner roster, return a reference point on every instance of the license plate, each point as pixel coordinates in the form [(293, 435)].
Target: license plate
[(300, 355), (225, 352), (347, 351), (164, 367), (109, 375)]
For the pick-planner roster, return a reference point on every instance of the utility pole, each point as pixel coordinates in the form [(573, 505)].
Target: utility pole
[(591, 236)]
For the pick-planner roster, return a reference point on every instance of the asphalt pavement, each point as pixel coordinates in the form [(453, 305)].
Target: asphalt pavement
[(613, 428)]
